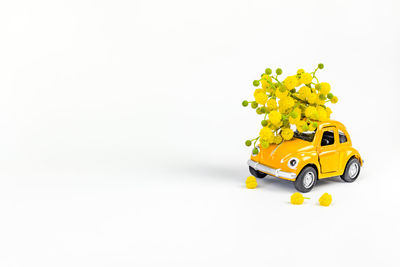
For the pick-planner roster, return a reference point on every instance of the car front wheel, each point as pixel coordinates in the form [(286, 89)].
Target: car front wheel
[(256, 173), (306, 180)]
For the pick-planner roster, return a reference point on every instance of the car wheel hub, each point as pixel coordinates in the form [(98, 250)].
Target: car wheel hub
[(308, 180), (353, 170)]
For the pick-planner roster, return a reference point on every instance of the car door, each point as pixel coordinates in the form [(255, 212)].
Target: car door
[(329, 156)]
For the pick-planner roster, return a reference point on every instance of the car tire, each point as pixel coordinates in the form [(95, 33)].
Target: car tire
[(306, 180), (352, 170), (256, 173)]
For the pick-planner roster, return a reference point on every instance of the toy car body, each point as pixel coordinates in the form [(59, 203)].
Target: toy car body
[(309, 157)]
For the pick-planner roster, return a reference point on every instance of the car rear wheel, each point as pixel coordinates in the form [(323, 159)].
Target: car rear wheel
[(306, 180), (256, 173), (352, 171)]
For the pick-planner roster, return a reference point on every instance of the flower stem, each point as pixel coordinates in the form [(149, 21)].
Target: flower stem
[(256, 142)]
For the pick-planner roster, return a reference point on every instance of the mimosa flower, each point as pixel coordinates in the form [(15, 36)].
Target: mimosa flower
[(271, 104), (267, 134), (311, 112), (290, 82), (258, 91), (261, 98), (325, 200), (305, 78), (287, 133), (278, 139), (275, 117), (251, 182), (297, 199), (281, 106), (325, 88)]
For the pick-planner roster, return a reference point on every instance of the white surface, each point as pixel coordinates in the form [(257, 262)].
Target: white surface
[(122, 133)]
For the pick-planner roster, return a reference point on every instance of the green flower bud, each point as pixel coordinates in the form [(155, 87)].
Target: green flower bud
[(264, 123), (305, 127), (256, 82), (322, 96), (255, 151), (318, 86), (263, 109), (259, 111), (248, 143), (320, 66), (330, 96), (282, 88), (315, 124), (268, 71), (278, 71), (254, 105), (293, 114), (245, 103), (286, 123)]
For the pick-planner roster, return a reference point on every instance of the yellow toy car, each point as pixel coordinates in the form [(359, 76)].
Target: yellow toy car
[(310, 156)]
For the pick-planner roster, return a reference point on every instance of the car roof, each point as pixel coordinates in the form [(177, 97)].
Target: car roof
[(330, 123)]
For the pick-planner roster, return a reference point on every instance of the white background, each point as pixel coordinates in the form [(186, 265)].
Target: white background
[(122, 133)]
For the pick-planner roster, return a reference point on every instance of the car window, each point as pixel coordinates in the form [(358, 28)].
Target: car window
[(328, 138), (306, 136), (342, 137)]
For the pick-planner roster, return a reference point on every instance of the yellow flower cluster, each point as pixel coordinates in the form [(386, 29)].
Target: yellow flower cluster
[(251, 182), (297, 198), (297, 103), (325, 200)]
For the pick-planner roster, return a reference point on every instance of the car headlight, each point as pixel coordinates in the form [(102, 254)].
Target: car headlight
[(292, 163)]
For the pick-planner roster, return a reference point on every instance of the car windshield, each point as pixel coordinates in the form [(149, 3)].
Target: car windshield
[(306, 136)]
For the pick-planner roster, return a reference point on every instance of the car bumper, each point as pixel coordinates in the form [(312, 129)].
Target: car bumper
[(271, 171)]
